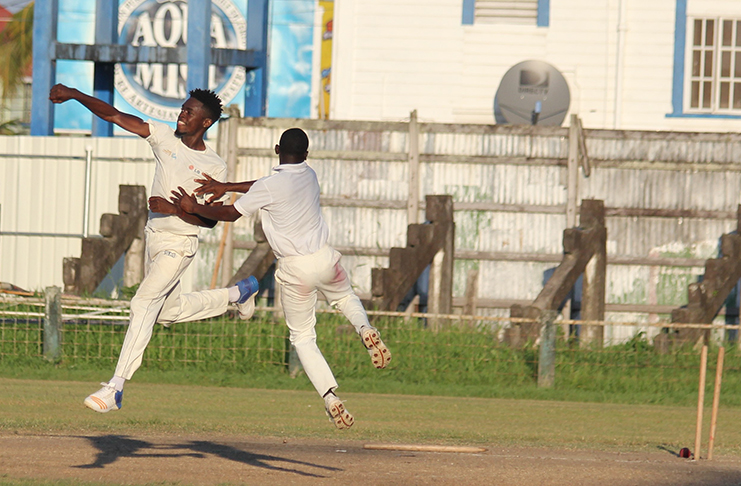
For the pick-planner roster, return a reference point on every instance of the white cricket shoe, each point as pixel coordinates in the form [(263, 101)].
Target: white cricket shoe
[(105, 399), (248, 289), (337, 413), (379, 353)]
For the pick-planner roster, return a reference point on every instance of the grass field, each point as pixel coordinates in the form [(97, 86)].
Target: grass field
[(46, 406), (220, 381)]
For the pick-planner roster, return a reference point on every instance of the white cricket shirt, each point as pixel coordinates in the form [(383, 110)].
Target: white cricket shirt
[(177, 165), (291, 215)]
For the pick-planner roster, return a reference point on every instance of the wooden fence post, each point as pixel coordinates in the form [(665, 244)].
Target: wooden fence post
[(547, 361), (134, 262), (413, 198), (52, 324), (572, 191), (232, 127)]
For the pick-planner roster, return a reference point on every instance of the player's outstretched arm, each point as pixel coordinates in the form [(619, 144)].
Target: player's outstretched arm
[(60, 93), (218, 189), (161, 205), (219, 212)]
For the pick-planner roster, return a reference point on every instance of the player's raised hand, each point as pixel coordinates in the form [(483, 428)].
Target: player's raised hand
[(60, 93), (186, 202), (210, 186), (161, 205)]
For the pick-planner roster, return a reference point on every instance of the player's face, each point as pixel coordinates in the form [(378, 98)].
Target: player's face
[(192, 118)]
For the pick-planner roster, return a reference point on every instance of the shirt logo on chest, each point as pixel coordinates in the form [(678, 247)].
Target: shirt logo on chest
[(170, 153)]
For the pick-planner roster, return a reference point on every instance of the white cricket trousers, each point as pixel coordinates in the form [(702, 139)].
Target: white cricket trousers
[(300, 277), (158, 298)]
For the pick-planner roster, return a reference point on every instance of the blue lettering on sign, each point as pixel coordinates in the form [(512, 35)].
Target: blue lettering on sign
[(158, 90)]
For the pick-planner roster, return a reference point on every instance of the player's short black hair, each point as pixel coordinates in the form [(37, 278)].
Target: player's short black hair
[(294, 141), (210, 100)]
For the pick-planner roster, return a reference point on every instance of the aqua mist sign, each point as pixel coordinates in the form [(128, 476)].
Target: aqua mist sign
[(158, 90)]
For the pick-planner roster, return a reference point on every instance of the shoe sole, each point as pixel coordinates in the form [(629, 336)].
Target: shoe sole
[(339, 416), (247, 310), (98, 405), (379, 353)]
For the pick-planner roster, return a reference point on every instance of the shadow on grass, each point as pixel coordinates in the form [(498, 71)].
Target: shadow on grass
[(113, 447)]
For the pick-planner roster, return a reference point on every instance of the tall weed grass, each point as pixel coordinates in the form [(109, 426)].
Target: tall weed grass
[(456, 360)]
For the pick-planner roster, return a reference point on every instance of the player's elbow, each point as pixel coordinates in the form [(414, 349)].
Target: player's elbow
[(231, 214), (209, 223)]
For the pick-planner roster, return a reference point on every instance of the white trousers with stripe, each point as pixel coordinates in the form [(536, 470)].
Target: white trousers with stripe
[(159, 297), (300, 277)]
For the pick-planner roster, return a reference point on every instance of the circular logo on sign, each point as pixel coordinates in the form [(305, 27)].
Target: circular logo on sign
[(158, 90)]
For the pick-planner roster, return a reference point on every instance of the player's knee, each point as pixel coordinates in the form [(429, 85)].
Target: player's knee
[(303, 338)]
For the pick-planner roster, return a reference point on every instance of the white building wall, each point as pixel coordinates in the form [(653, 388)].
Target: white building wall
[(392, 57)]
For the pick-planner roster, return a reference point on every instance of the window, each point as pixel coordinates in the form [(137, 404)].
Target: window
[(509, 12), (523, 12), (715, 66)]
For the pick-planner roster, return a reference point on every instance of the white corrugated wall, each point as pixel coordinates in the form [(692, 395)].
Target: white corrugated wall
[(43, 187)]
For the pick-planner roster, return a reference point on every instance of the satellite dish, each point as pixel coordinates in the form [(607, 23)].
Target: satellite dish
[(532, 93)]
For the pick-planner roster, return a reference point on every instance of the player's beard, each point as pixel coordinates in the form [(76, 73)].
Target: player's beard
[(178, 132)]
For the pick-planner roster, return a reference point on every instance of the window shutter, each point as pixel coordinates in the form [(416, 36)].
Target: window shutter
[(506, 11)]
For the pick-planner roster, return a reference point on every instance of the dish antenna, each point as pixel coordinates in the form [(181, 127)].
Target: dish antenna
[(532, 93)]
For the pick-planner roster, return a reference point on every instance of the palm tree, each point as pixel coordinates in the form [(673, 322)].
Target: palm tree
[(16, 49)]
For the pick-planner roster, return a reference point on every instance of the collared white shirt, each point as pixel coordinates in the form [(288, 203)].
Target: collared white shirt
[(178, 165), (291, 214)]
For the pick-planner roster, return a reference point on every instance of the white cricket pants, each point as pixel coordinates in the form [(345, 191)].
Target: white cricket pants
[(300, 277), (158, 298)]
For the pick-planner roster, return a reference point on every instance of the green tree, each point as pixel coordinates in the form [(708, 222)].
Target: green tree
[(16, 50)]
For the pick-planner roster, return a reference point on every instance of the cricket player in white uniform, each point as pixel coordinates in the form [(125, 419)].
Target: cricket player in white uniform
[(294, 227), (171, 235)]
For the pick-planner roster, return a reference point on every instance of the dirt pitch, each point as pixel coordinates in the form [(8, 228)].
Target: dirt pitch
[(212, 460)]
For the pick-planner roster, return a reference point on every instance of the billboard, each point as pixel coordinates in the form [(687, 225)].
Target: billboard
[(157, 91)]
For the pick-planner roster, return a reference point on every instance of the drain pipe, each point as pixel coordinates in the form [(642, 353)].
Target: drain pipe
[(621, 28)]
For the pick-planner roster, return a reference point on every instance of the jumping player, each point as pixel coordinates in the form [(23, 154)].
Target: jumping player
[(171, 235), (294, 226)]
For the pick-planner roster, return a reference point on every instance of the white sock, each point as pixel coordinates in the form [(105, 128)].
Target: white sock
[(118, 382), (234, 294)]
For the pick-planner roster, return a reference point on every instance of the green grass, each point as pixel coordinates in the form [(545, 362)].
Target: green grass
[(460, 361), (54, 407)]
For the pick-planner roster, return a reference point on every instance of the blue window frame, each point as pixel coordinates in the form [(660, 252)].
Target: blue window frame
[(714, 79)]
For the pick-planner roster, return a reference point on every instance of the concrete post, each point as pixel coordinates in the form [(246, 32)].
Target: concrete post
[(52, 324), (547, 361)]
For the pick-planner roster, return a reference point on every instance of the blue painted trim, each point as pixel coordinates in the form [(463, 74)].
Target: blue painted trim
[(255, 90), (44, 66), (199, 43), (106, 29), (103, 78), (703, 115), (680, 44), (544, 13), (469, 8)]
